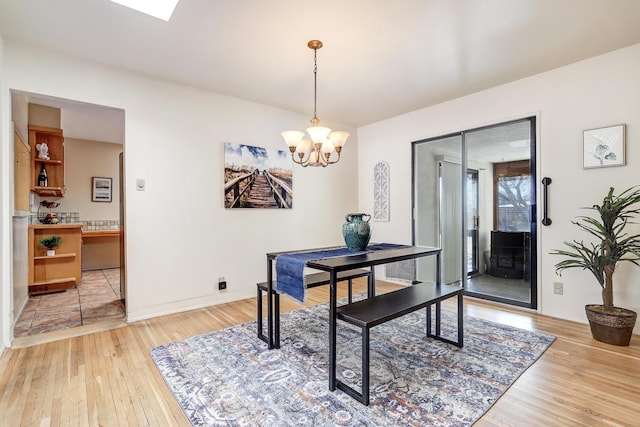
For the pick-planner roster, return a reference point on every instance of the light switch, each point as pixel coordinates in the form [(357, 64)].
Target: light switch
[(140, 184)]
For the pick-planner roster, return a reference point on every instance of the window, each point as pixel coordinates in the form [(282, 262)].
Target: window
[(512, 187)]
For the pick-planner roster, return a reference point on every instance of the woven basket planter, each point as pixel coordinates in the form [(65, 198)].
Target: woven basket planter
[(611, 326)]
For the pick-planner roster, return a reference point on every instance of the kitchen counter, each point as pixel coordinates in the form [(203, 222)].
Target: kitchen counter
[(100, 249), (100, 233), (54, 226)]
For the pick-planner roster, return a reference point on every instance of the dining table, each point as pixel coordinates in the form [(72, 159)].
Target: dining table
[(372, 256)]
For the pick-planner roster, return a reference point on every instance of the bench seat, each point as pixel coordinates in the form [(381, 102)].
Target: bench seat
[(374, 311), (311, 281)]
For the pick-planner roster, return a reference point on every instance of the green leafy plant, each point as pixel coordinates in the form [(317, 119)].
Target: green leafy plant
[(50, 242), (613, 245)]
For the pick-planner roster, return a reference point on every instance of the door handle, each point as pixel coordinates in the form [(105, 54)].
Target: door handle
[(546, 181)]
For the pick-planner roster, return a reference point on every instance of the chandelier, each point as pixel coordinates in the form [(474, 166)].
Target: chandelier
[(317, 150)]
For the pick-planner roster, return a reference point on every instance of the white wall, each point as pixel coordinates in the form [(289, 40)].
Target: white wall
[(83, 160), (597, 92), (6, 210), (179, 237)]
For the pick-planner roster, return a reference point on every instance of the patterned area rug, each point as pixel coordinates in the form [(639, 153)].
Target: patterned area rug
[(229, 378)]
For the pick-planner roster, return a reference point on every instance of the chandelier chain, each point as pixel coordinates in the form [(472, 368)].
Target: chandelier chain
[(315, 84)]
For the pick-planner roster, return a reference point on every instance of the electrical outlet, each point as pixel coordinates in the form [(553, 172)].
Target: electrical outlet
[(222, 284), (557, 288)]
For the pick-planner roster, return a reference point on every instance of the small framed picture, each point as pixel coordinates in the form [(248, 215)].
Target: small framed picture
[(603, 147), (100, 189)]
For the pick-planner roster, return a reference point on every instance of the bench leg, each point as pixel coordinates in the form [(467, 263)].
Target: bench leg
[(437, 335), (365, 366), (276, 317), (259, 310), (362, 397)]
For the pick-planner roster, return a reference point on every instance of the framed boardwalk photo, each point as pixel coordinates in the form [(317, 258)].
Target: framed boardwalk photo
[(604, 147), (257, 177), (100, 189)]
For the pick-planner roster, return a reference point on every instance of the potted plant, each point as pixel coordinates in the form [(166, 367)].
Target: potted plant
[(609, 324), (50, 243)]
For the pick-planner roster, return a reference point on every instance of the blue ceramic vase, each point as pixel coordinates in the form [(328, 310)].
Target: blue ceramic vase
[(356, 231)]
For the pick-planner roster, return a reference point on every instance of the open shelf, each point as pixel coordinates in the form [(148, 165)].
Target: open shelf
[(55, 281), (46, 257), (48, 191), (54, 166), (52, 285), (60, 271), (48, 162)]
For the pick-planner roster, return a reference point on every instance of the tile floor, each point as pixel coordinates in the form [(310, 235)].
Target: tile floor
[(94, 300), (518, 290)]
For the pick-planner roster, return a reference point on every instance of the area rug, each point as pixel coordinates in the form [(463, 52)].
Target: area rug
[(230, 378)]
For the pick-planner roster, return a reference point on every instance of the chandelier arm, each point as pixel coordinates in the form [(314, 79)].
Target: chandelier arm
[(333, 161), (318, 156), (301, 161), (293, 158)]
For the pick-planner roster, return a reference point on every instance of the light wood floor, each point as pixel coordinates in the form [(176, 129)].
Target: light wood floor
[(107, 378)]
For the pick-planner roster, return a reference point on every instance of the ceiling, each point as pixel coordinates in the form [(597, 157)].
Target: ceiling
[(380, 58)]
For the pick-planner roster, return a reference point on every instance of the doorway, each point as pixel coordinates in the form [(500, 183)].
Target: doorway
[(93, 141), (474, 197)]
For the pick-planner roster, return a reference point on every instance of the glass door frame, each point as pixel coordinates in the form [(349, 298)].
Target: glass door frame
[(533, 302), (472, 232)]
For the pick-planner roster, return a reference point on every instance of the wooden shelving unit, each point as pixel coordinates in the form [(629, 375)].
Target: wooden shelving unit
[(64, 269), (54, 166)]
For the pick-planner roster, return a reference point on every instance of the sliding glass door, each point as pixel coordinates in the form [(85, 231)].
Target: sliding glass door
[(474, 196), (437, 210)]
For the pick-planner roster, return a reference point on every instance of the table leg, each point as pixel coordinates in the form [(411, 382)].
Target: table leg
[(371, 284), (332, 330), (270, 302), (438, 316), (276, 321), (438, 283)]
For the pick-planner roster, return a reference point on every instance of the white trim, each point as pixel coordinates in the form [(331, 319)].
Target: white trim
[(173, 307)]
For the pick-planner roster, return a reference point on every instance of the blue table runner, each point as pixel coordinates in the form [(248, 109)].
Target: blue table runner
[(290, 267)]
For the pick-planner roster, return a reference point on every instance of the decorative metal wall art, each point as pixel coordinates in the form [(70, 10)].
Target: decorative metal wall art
[(381, 192)]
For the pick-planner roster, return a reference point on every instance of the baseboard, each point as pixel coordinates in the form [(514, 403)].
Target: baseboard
[(134, 315), (17, 315)]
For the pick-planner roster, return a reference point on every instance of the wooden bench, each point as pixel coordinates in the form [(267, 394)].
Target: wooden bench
[(374, 311), (311, 281)]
